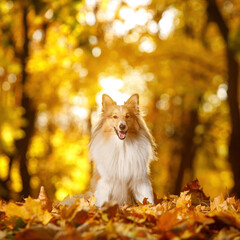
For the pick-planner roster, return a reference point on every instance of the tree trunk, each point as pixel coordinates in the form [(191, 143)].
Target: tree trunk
[(30, 114), (215, 15), (22, 145), (188, 150)]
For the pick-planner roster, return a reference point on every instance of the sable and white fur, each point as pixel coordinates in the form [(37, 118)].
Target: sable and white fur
[(121, 148)]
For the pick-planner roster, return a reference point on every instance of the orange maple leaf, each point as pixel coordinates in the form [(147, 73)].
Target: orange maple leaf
[(168, 220)]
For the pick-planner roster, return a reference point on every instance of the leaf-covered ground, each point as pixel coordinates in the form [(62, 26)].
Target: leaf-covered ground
[(188, 216)]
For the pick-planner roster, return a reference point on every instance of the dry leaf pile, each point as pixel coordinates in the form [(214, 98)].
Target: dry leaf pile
[(188, 216)]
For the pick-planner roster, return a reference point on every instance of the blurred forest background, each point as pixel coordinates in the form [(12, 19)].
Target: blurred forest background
[(57, 57)]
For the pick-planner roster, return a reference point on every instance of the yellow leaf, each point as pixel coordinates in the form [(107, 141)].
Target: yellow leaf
[(13, 210), (219, 203), (35, 208), (30, 210), (184, 200)]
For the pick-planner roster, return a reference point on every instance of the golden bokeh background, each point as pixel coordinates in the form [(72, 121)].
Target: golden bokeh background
[(58, 57)]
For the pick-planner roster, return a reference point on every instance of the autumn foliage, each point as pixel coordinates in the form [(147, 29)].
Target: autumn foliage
[(57, 58), (188, 216)]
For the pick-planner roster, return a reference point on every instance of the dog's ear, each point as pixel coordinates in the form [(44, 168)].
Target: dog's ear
[(133, 102), (106, 102)]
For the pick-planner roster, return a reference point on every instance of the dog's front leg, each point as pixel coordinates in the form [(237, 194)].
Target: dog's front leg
[(102, 192), (142, 189)]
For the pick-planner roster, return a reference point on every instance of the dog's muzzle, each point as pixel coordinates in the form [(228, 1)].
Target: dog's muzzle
[(122, 130)]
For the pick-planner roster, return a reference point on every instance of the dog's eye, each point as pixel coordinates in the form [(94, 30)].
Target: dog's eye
[(115, 116), (127, 116)]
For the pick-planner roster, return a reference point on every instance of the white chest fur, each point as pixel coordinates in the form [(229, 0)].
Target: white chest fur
[(122, 160)]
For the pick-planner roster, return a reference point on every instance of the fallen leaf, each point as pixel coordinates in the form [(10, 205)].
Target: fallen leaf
[(110, 208), (199, 217), (69, 234), (84, 227), (228, 234), (168, 220), (13, 210), (218, 203), (227, 217), (184, 200), (38, 232), (68, 213), (42, 197), (174, 217), (197, 195), (194, 185), (30, 210), (81, 217), (145, 201)]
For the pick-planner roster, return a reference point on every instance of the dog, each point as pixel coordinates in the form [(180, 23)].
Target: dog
[(122, 148)]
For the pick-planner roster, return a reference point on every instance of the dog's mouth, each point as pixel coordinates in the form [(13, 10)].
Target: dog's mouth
[(121, 134)]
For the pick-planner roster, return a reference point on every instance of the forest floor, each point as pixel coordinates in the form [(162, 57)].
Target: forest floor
[(191, 215)]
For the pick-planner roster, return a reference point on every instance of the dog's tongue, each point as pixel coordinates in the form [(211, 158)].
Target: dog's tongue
[(121, 135)]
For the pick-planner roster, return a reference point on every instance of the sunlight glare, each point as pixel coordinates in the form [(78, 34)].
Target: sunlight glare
[(49, 14), (137, 3), (93, 40), (5, 8), (163, 102), (90, 18), (118, 28), (6, 86), (111, 83), (133, 18), (61, 194), (117, 96), (12, 78), (152, 27), (207, 107), (167, 22), (147, 45), (96, 52), (131, 38), (128, 15), (142, 16), (91, 3), (38, 35), (214, 100), (42, 120), (222, 91), (110, 13), (80, 112), (78, 52), (111, 86)]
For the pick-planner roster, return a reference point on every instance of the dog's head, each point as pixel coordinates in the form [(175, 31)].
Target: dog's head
[(120, 119)]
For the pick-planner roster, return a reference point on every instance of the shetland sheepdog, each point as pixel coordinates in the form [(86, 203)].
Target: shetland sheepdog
[(121, 147)]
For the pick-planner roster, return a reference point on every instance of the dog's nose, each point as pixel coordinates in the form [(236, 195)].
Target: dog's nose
[(122, 126)]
